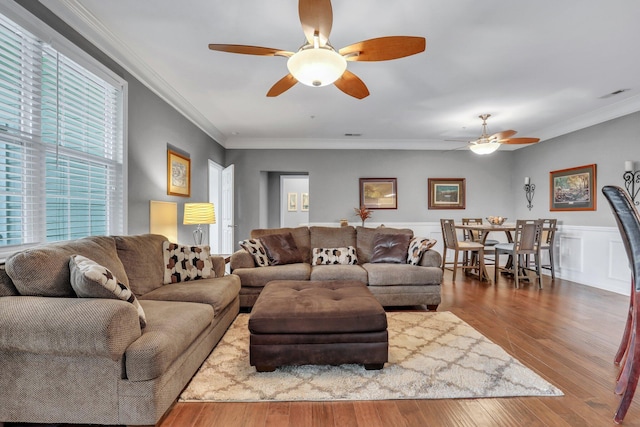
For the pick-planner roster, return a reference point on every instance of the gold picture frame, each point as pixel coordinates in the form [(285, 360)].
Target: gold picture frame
[(447, 193), (573, 189), (379, 193), (178, 174)]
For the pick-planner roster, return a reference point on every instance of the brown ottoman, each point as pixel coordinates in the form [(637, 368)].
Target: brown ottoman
[(317, 323)]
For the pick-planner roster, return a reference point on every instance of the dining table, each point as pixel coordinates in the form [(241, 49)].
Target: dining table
[(481, 231)]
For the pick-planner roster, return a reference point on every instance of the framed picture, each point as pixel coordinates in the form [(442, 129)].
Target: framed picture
[(447, 193), (292, 202), (178, 174), (379, 193), (573, 189), (304, 202)]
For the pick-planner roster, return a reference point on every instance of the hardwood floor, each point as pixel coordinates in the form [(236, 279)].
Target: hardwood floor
[(567, 333)]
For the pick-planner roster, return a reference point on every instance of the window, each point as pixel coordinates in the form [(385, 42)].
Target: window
[(61, 145)]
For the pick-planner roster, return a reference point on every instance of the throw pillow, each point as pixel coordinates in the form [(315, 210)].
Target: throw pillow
[(184, 263), (281, 249), (255, 248), (201, 266), (91, 280), (390, 248), (417, 247), (326, 256)]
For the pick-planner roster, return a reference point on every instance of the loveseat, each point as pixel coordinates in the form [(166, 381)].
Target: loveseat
[(375, 256), (120, 358)]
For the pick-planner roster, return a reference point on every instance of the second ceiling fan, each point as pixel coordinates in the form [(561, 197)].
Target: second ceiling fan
[(317, 63), (487, 144)]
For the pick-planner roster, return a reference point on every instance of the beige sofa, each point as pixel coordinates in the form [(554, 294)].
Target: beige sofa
[(393, 284), (66, 359)]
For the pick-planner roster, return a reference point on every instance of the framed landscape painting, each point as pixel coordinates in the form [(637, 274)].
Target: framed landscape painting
[(447, 193), (379, 193), (573, 189), (178, 174)]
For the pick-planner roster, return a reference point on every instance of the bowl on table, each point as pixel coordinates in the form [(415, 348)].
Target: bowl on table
[(496, 220)]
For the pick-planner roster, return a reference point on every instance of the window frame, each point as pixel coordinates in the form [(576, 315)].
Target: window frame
[(67, 48)]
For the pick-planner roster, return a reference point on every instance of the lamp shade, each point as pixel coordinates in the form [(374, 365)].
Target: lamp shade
[(484, 147), (317, 66), (199, 213)]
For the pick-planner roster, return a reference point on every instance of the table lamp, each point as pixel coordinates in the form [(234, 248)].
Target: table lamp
[(198, 213)]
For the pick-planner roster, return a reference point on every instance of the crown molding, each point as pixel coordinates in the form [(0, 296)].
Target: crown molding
[(240, 143), (90, 27)]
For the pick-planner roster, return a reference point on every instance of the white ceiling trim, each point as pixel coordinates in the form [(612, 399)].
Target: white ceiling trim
[(339, 144), (592, 118), (93, 30)]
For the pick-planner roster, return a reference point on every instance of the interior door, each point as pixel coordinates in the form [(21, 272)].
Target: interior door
[(228, 226)]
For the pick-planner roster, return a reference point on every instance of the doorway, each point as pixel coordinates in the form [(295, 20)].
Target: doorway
[(294, 200), (221, 191)]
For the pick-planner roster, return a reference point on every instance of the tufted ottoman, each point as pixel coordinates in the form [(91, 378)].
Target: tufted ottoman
[(317, 323)]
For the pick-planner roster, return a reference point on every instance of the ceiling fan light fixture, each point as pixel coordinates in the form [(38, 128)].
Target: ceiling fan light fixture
[(484, 147), (317, 66)]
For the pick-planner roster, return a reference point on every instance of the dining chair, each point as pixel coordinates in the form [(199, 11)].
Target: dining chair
[(628, 221), (451, 242), (474, 236), (526, 244), (549, 227)]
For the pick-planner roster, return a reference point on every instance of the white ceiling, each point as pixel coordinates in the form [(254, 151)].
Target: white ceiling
[(540, 67)]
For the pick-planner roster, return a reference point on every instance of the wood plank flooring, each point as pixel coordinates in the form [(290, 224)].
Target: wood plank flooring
[(567, 333)]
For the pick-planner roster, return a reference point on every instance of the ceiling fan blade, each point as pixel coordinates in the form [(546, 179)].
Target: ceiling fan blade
[(505, 134), (316, 16), (384, 48), (249, 50), (520, 141), (282, 85), (351, 84)]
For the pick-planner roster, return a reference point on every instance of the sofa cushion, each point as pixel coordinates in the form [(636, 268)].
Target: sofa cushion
[(281, 249), (328, 256), (258, 277), (44, 270), (171, 328), (184, 263), (255, 248), (365, 238), (6, 285), (91, 280), (401, 274), (141, 256), (338, 272), (218, 292), (300, 236), (390, 248), (417, 247), (332, 237)]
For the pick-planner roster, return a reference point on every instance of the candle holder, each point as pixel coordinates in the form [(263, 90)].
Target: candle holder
[(631, 178), (529, 190)]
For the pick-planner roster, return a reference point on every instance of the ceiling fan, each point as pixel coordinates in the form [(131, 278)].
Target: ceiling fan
[(487, 144), (317, 63)]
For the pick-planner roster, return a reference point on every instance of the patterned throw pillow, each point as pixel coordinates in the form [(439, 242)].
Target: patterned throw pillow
[(91, 280), (184, 263), (255, 248), (345, 256), (417, 247)]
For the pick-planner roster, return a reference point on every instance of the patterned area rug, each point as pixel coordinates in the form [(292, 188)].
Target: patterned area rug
[(432, 355)]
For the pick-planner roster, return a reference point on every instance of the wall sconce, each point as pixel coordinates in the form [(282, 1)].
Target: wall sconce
[(529, 190), (631, 178)]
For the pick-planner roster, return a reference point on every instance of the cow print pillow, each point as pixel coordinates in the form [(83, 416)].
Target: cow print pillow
[(417, 247), (255, 248), (327, 256)]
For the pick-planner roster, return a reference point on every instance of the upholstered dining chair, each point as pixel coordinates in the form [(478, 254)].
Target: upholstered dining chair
[(525, 245), (628, 221), (549, 227), (451, 242)]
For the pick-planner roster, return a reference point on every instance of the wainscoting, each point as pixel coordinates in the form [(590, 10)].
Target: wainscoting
[(592, 256)]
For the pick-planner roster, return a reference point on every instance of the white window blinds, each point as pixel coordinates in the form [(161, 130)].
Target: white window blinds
[(61, 146)]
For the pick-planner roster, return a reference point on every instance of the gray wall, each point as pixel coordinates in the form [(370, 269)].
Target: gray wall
[(152, 125), (494, 183)]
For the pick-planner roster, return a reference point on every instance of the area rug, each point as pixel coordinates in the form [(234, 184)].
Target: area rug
[(432, 355)]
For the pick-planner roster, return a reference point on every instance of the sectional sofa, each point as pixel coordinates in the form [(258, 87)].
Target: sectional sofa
[(72, 352), (399, 268)]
